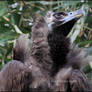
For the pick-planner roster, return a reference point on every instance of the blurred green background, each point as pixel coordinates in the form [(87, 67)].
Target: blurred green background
[(17, 17)]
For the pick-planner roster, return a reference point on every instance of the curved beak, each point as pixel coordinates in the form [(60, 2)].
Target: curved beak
[(72, 15), (57, 19)]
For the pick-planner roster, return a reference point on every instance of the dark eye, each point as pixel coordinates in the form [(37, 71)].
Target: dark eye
[(57, 15)]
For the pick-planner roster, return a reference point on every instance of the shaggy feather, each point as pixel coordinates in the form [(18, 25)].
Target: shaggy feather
[(34, 64), (66, 61), (21, 48), (50, 55)]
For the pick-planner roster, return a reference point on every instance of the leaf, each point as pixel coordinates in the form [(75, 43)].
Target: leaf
[(3, 8), (89, 51), (17, 29), (83, 43)]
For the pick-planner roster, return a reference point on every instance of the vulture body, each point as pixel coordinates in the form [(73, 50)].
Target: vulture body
[(67, 62), (51, 65), (29, 71)]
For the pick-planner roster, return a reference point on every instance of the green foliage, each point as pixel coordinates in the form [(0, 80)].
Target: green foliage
[(17, 17)]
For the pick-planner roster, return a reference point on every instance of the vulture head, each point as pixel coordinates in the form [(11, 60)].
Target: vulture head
[(63, 21), (60, 24)]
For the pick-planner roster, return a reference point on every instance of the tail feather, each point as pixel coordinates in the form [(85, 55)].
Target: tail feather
[(21, 48)]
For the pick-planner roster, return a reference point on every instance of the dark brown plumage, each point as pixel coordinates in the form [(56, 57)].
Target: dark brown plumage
[(51, 65), (29, 71), (67, 62), (15, 76)]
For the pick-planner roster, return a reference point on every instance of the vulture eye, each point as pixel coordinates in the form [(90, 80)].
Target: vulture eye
[(59, 15)]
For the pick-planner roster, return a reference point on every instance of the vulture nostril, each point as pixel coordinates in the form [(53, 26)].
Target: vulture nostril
[(70, 13)]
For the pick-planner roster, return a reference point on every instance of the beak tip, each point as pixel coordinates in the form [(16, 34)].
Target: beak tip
[(81, 11)]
